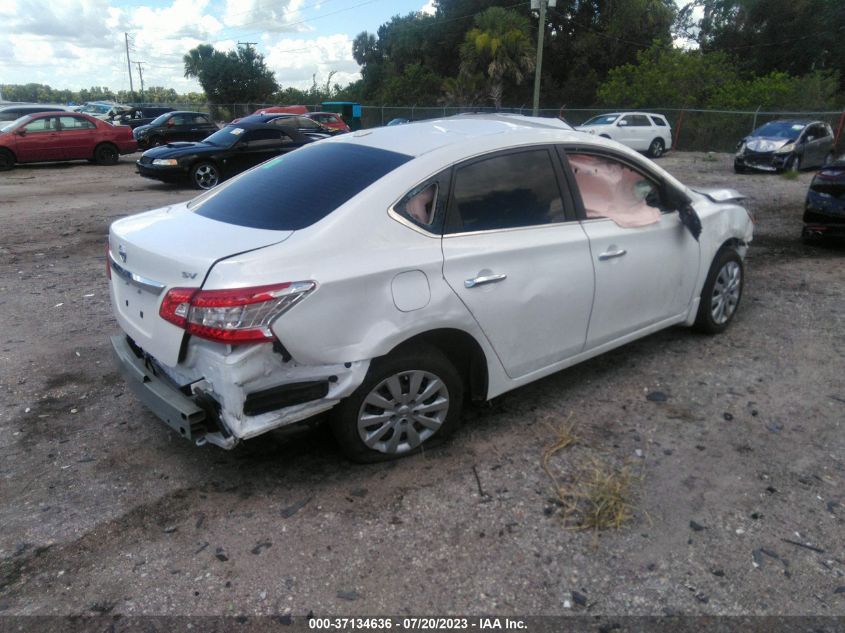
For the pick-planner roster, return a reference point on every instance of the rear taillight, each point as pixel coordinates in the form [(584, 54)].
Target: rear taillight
[(239, 315)]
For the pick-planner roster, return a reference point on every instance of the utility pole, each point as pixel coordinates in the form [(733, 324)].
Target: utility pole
[(141, 75), (247, 44), (128, 63), (541, 32)]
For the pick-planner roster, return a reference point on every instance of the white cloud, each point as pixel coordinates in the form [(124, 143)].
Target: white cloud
[(295, 61), (265, 15), (79, 43), (428, 8)]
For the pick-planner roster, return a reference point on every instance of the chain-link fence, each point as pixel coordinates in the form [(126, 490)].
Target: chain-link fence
[(692, 129)]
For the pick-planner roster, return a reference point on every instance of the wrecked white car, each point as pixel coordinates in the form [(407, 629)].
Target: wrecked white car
[(447, 259)]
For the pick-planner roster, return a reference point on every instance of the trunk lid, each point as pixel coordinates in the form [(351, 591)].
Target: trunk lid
[(152, 252)]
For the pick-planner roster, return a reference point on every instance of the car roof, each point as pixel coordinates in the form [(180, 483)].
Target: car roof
[(420, 137), (260, 125), (793, 121)]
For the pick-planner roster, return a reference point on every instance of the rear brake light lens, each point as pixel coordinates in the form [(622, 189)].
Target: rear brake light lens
[(239, 315)]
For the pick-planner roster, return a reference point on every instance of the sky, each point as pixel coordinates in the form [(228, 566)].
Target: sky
[(74, 44)]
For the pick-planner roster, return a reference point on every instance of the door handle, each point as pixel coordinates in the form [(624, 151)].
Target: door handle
[(486, 279), (612, 254)]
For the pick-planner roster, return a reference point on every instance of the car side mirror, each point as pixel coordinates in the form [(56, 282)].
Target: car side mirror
[(21, 132), (622, 123), (171, 123), (810, 138)]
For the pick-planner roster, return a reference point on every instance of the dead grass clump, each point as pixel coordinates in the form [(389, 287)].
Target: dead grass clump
[(605, 498), (592, 494)]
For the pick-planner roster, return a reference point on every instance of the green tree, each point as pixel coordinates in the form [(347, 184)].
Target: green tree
[(764, 36), (233, 77), (668, 77), (500, 46)]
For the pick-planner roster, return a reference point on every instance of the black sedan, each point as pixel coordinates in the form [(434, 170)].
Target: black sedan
[(824, 210), (174, 126), (225, 153), (789, 145)]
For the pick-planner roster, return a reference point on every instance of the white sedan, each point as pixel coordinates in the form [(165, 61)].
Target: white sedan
[(643, 131), (439, 260)]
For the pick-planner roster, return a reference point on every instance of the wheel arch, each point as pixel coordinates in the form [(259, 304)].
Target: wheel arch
[(11, 152), (103, 144), (462, 350)]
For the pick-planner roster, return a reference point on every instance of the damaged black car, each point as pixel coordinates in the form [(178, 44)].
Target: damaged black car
[(824, 210), (790, 145)]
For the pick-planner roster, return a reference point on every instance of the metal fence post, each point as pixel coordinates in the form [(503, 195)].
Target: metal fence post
[(754, 124), (678, 130), (382, 114), (839, 130)]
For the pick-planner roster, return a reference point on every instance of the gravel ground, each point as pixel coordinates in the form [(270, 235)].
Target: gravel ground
[(737, 464)]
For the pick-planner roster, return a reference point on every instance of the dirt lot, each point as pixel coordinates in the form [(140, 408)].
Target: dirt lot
[(738, 475)]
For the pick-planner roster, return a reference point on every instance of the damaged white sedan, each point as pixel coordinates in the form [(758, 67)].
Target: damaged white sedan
[(443, 260)]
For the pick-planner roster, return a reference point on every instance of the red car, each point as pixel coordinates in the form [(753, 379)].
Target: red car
[(54, 136), (330, 120)]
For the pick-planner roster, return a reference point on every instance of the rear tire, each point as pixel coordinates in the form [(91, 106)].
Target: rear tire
[(7, 160), (722, 292), (409, 401), (656, 149), (106, 154)]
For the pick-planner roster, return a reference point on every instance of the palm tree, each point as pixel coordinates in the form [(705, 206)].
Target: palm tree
[(500, 45), (196, 58)]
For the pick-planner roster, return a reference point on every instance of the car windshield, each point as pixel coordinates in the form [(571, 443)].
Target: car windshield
[(160, 120), (602, 119), (780, 129), (280, 195), (226, 137), (95, 108), (11, 124)]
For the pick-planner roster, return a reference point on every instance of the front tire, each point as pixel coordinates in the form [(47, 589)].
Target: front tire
[(722, 292), (106, 154), (794, 165), (205, 175), (410, 400), (656, 149)]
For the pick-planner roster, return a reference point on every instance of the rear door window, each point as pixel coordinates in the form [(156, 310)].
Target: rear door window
[(288, 193), (75, 123), (659, 121), (507, 191)]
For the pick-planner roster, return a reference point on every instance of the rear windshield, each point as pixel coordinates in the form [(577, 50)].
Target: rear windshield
[(298, 189)]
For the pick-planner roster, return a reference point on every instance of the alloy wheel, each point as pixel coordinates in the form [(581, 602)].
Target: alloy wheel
[(403, 411), (206, 176), (726, 292)]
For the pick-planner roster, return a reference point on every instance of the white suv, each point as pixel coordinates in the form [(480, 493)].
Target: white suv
[(642, 131), (461, 257)]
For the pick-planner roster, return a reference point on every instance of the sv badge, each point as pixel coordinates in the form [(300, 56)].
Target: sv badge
[(187, 275)]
